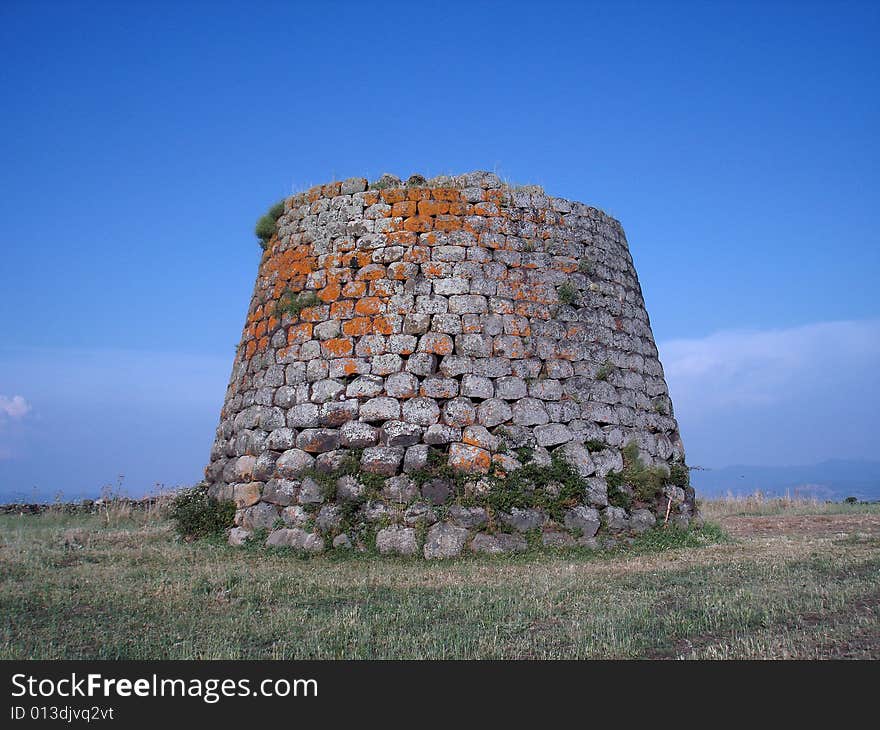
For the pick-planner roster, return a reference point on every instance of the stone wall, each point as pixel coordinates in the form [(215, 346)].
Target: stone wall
[(408, 345)]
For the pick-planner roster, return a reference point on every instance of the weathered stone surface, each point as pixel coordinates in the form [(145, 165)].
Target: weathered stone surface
[(582, 520), (444, 540), (384, 460), (259, 516), (415, 458), (529, 412), (281, 491), (642, 520), (422, 411), (577, 456), (552, 434), (493, 412), (293, 462), (318, 440), (397, 540), (380, 409), (476, 386), (399, 433), (297, 538), (238, 536), (498, 544), (310, 492), (400, 489), (523, 520), (437, 491), (469, 459), (616, 518), (469, 517), (358, 435)]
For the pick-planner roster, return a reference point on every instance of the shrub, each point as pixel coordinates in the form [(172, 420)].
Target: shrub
[(605, 370), (267, 223), (679, 475), (646, 482), (585, 266), (293, 303), (568, 293), (196, 514)]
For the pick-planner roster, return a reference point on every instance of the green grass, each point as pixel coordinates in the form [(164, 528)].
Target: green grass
[(126, 586)]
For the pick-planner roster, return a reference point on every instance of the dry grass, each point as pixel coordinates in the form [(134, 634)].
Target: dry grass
[(82, 586)]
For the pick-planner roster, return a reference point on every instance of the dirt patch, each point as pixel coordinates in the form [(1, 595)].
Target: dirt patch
[(809, 525)]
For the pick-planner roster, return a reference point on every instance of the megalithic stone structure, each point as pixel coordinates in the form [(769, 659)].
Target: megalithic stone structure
[(446, 365)]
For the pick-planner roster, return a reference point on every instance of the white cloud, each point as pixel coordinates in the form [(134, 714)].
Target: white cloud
[(14, 407), (793, 395)]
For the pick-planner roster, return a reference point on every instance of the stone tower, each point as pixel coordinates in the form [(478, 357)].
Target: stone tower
[(443, 366)]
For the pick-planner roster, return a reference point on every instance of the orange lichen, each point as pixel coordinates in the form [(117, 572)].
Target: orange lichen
[(368, 305), (448, 223), (358, 326), (404, 208), (299, 333), (432, 207), (382, 326), (337, 347), (418, 224), (341, 309), (354, 289)]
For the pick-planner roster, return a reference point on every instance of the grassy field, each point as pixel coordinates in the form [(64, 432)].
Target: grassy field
[(774, 579)]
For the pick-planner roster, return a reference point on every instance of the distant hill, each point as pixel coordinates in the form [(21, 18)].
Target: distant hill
[(834, 480)]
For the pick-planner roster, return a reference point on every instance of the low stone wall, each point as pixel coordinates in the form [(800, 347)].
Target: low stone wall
[(460, 317)]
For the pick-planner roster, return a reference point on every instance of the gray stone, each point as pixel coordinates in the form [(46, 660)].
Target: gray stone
[(358, 435), (397, 540), (318, 440), (475, 386), (419, 513), (329, 518), (326, 390), (444, 540), (261, 515), (498, 544), (399, 433), (529, 412), (552, 434), (459, 412), (557, 539), (342, 542), (523, 520), (310, 492), (281, 491), (384, 460), (440, 434), (295, 515), (510, 388), (293, 462), (304, 415), (421, 411), (400, 489), (296, 538), (468, 517), (437, 491), (583, 520), (606, 461), (577, 456), (238, 536), (493, 412), (401, 385), (348, 488), (415, 458), (615, 518), (365, 386), (597, 491), (380, 409), (642, 520)]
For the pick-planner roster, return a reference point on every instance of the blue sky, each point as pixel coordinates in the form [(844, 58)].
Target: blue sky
[(736, 142)]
